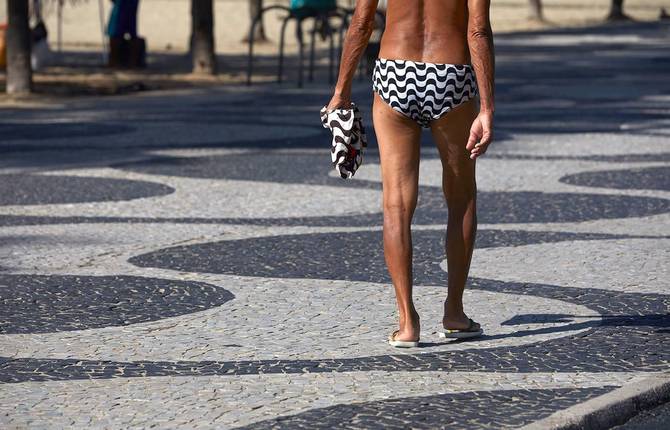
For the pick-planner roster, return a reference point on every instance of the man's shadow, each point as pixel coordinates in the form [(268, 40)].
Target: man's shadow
[(662, 321)]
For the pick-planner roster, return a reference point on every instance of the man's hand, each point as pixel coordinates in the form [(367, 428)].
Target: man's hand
[(339, 102), (481, 134)]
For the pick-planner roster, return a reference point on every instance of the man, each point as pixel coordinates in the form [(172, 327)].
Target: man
[(130, 52), (430, 52), (123, 19)]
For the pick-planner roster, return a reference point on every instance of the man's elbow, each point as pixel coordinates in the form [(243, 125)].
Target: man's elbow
[(480, 33), (361, 28)]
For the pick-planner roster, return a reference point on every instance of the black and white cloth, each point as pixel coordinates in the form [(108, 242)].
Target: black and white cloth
[(349, 138)]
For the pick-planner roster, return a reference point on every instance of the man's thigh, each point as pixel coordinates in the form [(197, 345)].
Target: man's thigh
[(450, 134), (399, 139)]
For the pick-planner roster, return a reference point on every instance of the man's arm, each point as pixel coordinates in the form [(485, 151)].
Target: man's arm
[(355, 42), (480, 42)]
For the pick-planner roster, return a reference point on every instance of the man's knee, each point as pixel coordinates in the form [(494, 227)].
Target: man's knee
[(398, 211), (460, 195), (463, 190)]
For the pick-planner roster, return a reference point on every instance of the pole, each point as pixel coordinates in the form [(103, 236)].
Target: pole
[(60, 26), (101, 10)]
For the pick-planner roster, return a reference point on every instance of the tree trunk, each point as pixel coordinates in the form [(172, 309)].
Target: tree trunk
[(536, 10), (255, 6), (202, 37), (616, 11), (19, 73)]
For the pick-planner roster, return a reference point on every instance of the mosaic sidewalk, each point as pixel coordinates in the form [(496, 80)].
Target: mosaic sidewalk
[(189, 258)]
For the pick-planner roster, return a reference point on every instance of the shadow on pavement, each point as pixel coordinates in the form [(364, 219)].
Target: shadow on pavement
[(578, 80)]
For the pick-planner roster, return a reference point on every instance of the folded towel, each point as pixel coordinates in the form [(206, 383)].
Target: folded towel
[(349, 138)]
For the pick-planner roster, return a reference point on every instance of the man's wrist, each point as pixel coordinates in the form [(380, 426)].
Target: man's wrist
[(342, 95)]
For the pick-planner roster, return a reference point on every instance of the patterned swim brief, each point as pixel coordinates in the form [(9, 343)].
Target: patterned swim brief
[(423, 92)]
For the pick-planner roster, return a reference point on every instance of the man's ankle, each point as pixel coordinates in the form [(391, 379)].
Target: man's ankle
[(452, 310)]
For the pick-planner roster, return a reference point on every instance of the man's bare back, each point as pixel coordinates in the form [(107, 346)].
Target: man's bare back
[(433, 31)]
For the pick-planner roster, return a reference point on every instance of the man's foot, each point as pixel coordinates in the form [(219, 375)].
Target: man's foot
[(460, 322), (409, 330), (616, 16), (457, 325), (394, 340), (409, 335), (473, 330)]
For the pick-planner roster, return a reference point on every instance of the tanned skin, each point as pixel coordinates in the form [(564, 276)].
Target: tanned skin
[(434, 31)]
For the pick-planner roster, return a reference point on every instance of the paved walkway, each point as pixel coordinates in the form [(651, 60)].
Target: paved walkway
[(190, 259)]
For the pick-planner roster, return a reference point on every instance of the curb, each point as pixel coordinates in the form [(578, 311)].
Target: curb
[(611, 409)]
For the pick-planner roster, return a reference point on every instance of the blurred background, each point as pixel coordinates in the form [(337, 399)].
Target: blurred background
[(175, 43)]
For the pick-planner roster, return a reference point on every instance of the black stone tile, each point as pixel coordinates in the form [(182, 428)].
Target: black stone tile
[(41, 304), (353, 256), (59, 130), (264, 166), (18, 189), (646, 178), (616, 158)]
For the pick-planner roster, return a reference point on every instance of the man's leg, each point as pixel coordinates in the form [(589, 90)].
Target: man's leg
[(398, 139), (460, 190)]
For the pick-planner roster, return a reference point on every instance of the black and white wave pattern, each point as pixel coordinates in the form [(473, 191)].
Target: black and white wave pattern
[(349, 139), (423, 91)]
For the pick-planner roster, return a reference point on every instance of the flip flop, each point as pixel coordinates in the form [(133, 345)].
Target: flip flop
[(402, 343), (468, 333)]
